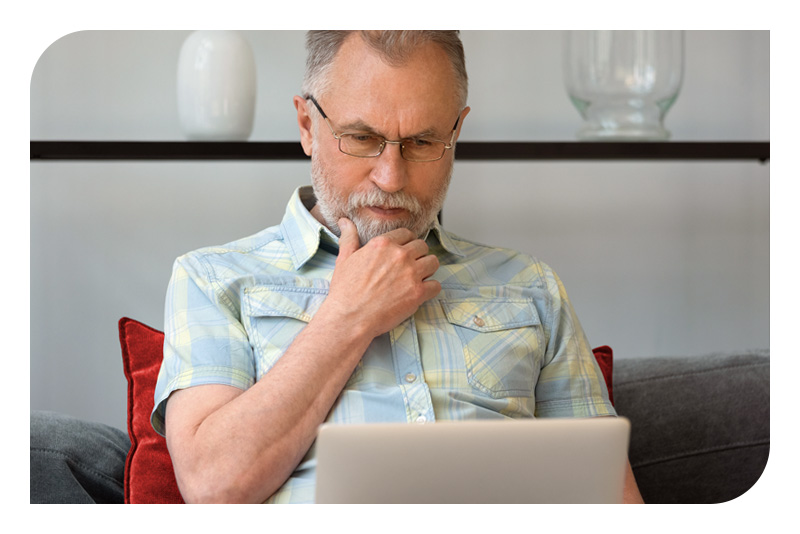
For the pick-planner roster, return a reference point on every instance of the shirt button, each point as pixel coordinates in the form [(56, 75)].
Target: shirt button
[(478, 321), (410, 377), (421, 419)]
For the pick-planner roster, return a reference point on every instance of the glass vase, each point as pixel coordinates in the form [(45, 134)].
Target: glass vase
[(623, 82)]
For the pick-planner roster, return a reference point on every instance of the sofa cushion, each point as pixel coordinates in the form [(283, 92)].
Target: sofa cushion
[(699, 425), (149, 475), (605, 360)]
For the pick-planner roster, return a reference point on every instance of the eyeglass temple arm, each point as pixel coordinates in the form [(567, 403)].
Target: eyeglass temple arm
[(324, 116), (314, 100), (452, 136)]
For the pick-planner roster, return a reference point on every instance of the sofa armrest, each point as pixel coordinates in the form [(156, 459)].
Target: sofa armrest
[(699, 425)]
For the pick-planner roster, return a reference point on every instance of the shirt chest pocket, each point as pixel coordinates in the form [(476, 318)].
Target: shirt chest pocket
[(503, 343), (274, 316)]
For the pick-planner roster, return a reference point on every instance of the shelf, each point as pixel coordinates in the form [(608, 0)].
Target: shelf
[(467, 150)]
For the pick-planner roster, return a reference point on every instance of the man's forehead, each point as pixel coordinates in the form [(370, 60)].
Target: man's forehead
[(366, 92), (363, 126), (426, 67), (419, 118)]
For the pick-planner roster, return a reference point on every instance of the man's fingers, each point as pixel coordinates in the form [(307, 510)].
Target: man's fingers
[(399, 236), (427, 265), (431, 289), (348, 241), (388, 245), (417, 248)]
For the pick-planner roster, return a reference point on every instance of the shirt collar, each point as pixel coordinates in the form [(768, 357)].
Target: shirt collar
[(448, 244), (303, 234)]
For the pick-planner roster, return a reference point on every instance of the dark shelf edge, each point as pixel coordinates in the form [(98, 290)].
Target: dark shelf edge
[(165, 150), (466, 150), (605, 150)]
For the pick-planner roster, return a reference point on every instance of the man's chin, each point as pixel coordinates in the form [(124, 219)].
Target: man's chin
[(369, 227)]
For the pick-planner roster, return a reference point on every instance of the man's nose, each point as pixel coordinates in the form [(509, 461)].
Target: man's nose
[(390, 171)]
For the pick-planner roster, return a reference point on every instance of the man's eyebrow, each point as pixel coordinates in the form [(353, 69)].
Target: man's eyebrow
[(362, 127), (357, 126)]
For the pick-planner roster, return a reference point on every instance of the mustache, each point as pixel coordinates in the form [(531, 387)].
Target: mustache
[(377, 197)]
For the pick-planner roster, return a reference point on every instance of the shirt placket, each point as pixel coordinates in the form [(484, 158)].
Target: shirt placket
[(409, 374)]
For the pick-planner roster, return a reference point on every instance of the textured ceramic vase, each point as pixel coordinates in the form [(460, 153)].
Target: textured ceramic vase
[(216, 86), (623, 82)]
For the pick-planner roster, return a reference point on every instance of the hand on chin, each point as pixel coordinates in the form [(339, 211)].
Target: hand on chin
[(372, 223)]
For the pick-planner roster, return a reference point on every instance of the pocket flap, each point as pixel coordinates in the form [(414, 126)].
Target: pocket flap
[(283, 301), (490, 315)]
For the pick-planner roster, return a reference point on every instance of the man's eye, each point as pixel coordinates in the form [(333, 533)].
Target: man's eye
[(421, 143), (363, 138)]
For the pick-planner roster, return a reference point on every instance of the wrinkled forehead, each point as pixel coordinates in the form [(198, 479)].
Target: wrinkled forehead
[(365, 87)]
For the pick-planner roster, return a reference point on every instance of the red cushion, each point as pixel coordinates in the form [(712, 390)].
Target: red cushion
[(605, 360), (149, 476)]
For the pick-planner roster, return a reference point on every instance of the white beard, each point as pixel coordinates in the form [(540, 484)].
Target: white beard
[(332, 207)]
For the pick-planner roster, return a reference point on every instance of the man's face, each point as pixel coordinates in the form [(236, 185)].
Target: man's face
[(387, 192)]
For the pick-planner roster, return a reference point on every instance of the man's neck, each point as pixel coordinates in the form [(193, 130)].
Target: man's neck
[(309, 200), (317, 214)]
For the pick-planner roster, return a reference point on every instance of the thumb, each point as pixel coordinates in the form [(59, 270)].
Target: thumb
[(348, 241)]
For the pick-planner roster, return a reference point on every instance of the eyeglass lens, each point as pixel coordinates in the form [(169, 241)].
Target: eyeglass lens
[(372, 145)]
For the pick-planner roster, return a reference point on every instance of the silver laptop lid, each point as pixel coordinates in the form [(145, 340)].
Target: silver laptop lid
[(510, 461)]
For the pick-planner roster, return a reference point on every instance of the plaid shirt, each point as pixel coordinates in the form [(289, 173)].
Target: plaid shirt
[(500, 341)]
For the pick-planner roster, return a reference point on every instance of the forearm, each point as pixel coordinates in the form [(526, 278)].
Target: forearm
[(631, 493), (248, 444), (232, 446)]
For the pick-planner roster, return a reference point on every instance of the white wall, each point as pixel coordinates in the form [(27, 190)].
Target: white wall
[(659, 258)]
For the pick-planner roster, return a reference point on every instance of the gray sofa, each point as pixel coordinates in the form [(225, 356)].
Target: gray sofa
[(699, 432), (699, 425)]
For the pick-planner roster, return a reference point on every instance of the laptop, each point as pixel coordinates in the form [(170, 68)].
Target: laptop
[(499, 461)]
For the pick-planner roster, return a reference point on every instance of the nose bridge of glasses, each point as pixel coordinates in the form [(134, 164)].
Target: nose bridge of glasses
[(404, 145), (399, 142)]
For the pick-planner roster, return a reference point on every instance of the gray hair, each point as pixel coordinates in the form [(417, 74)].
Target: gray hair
[(394, 47)]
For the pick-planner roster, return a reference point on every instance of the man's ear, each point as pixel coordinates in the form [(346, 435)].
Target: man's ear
[(464, 114), (304, 123)]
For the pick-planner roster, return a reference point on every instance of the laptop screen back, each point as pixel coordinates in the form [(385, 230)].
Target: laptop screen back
[(512, 461)]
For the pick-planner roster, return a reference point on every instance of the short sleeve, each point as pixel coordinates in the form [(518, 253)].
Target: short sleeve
[(570, 383), (204, 340)]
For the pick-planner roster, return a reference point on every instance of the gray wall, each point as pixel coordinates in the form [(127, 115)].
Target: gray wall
[(659, 258)]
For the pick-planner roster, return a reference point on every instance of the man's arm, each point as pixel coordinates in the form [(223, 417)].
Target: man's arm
[(630, 492), (571, 356), (229, 445)]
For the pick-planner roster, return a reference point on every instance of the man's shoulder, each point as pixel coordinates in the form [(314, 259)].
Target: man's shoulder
[(472, 248), (504, 264), (244, 245), (264, 247)]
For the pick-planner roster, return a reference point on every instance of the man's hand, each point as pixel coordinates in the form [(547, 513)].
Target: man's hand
[(271, 425), (383, 283)]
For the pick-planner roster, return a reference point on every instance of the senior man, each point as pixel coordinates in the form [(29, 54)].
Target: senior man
[(359, 307)]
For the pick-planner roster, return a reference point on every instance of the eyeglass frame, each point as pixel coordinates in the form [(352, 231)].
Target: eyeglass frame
[(338, 137)]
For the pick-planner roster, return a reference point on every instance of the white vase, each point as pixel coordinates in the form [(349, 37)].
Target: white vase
[(216, 86)]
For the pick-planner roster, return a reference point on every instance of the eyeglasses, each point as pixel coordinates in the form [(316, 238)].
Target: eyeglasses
[(368, 145)]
